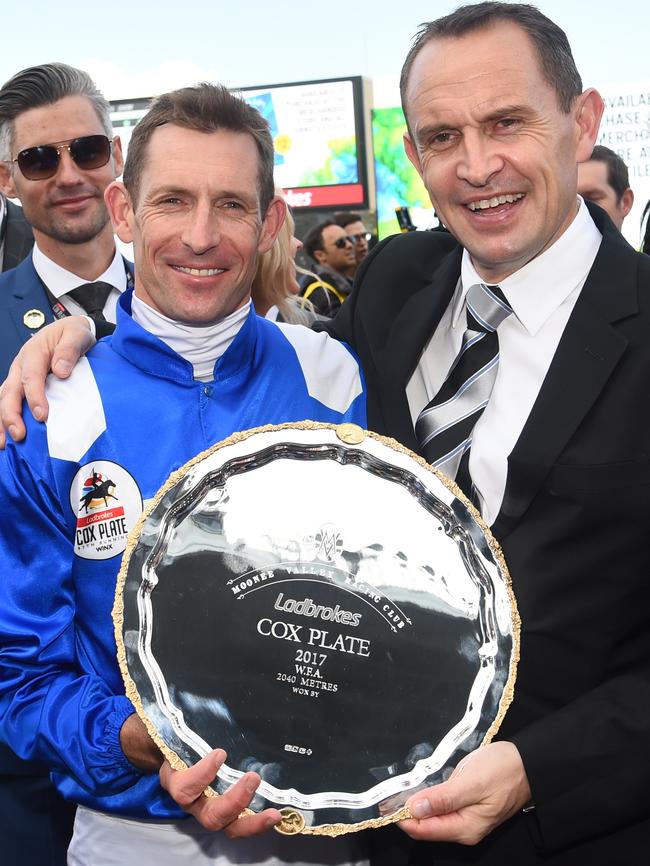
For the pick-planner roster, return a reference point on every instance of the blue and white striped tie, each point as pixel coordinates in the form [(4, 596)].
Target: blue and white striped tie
[(444, 427)]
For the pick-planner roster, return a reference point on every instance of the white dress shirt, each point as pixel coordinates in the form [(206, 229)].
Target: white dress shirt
[(542, 295), (60, 282)]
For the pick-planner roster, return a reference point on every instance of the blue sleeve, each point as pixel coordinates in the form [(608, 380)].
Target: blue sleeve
[(50, 708)]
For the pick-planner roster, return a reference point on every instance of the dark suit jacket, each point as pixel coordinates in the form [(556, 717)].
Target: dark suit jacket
[(18, 237), (20, 290), (574, 530)]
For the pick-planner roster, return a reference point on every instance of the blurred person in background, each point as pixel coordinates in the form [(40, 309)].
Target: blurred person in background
[(603, 179), (275, 290), (333, 253), (356, 230)]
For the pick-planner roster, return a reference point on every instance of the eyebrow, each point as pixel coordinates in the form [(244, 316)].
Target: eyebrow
[(492, 115), (182, 190), (167, 190)]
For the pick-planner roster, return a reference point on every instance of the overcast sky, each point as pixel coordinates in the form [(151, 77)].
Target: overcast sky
[(161, 45)]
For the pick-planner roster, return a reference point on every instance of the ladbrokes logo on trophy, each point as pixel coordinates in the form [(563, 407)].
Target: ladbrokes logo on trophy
[(107, 502)]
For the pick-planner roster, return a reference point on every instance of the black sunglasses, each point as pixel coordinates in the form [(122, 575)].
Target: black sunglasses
[(362, 236), (341, 243), (42, 162)]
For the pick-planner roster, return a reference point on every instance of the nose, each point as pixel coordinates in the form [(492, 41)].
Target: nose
[(479, 160), (201, 229), (296, 244), (68, 172)]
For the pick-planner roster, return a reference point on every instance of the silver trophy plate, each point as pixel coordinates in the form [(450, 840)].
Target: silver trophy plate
[(324, 606)]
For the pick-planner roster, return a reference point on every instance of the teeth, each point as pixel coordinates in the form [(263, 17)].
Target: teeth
[(485, 203), (199, 272)]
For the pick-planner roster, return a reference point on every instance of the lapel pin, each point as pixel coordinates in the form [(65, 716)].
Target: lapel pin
[(34, 319)]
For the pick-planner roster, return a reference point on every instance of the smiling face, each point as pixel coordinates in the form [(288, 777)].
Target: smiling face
[(196, 226), (497, 155), (68, 208)]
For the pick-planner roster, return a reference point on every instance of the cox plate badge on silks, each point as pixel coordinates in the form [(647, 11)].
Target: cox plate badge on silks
[(106, 501), (321, 604)]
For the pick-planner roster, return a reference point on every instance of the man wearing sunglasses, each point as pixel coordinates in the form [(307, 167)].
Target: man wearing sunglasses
[(357, 232), (57, 156), (334, 254)]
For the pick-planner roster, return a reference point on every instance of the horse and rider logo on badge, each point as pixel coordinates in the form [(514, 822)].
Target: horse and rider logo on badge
[(107, 502)]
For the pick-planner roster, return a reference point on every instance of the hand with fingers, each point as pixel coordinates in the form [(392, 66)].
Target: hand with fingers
[(187, 787), (486, 788), (57, 347)]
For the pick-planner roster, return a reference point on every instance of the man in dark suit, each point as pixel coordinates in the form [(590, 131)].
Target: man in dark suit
[(556, 454), (16, 237), (58, 156)]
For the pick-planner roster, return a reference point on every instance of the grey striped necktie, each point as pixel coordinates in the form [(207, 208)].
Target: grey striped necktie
[(444, 427)]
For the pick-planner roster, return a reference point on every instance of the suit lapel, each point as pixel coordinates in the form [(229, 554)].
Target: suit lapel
[(588, 352), (27, 294), (412, 329)]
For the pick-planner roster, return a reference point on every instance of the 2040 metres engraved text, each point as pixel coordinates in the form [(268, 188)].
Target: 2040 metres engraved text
[(308, 679)]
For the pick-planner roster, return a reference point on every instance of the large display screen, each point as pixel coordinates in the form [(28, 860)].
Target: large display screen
[(398, 184), (318, 132)]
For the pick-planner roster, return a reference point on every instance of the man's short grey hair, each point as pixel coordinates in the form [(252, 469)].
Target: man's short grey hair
[(44, 85)]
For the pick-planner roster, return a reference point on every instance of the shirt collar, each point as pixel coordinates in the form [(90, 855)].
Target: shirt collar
[(59, 281), (535, 291)]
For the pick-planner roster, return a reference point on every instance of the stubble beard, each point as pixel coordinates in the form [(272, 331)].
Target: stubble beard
[(66, 231)]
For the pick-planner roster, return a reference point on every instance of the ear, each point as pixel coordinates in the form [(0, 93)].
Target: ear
[(627, 200), (272, 223), (118, 159), (412, 153), (120, 209), (588, 110), (320, 256), (7, 185)]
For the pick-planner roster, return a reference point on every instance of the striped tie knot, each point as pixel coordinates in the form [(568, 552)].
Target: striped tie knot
[(486, 307)]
